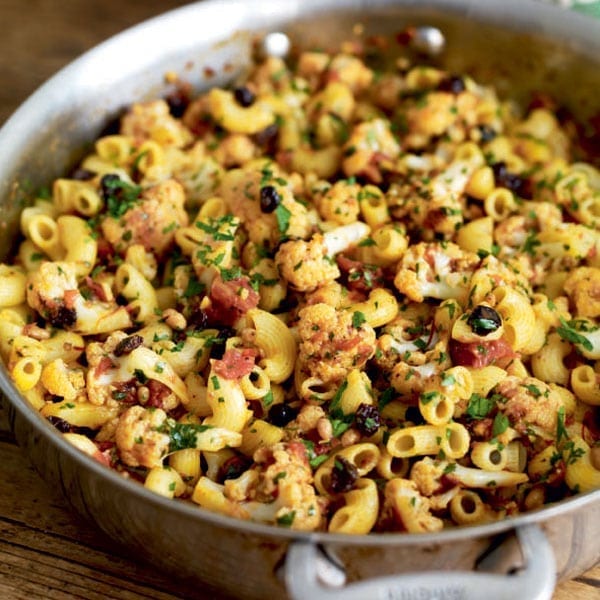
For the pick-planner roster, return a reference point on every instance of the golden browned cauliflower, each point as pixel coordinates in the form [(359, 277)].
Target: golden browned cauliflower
[(370, 148), (435, 113), (435, 270), (241, 189), (152, 120), (583, 288), (339, 202), (139, 441), (306, 265), (426, 474), (333, 342), (407, 508), (285, 483), (150, 222), (529, 402)]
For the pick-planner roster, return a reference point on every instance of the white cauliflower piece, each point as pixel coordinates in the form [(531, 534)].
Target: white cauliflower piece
[(306, 265), (53, 292), (333, 342), (241, 191), (284, 493), (370, 148), (435, 270), (139, 441), (583, 288), (408, 509), (152, 120), (529, 402), (150, 222), (427, 474)]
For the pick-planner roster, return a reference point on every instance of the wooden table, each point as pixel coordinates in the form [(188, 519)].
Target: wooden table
[(46, 551)]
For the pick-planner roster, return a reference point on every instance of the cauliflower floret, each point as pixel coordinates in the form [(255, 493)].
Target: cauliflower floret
[(407, 508), (306, 265), (427, 474), (53, 292), (339, 203), (63, 380), (435, 114), (371, 146), (241, 191), (47, 288), (350, 70), (333, 293), (152, 120), (150, 222), (138, 437), (333, 342), (529, 402), (285, 486), (583, 288), (432, 270)]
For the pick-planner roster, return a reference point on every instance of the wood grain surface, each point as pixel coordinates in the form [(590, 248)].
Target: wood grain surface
[(47, 551)]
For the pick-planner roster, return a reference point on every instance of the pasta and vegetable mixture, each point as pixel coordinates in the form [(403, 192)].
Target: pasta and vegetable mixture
[(333, 297)]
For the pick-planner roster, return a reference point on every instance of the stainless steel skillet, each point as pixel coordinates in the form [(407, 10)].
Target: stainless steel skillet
[(514, 44)]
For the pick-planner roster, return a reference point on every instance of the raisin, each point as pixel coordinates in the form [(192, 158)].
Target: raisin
[(515, 183), (243, 96), (367, 419), (343, 476), (217, 348), (178, 102), (484, 320), (128, 344), (487, 133), (267, 137), (269, 199), (453, 84), (232, 468), (60, 424), (62, 317), (281, 414), (413, 414)]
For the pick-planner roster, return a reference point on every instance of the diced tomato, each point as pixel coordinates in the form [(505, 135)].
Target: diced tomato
[(235, 363), (230, 300), (481, 354)]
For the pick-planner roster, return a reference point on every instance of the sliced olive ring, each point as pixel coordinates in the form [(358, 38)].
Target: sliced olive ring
[(484, 319)]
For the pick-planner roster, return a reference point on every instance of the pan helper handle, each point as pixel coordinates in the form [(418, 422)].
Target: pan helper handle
[(308, 575)]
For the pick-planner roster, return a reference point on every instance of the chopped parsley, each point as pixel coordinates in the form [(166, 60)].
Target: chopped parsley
[(283, 215), (500, 425), (119, 195), (568, 332), (182, 435), (358, 318), (479, 406)]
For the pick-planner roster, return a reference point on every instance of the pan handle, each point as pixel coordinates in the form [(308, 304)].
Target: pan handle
[(309, 575)]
